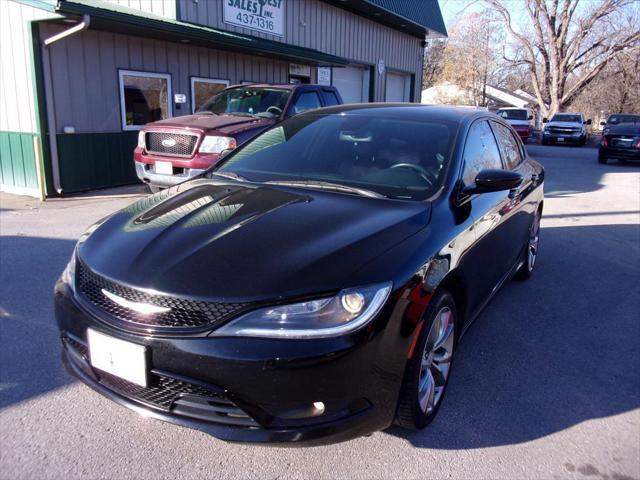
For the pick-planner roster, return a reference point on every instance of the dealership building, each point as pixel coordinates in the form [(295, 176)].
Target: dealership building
[(79, 78)]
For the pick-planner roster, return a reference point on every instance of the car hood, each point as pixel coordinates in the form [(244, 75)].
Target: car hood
[(237, 241), (518, 123), (223, 124)]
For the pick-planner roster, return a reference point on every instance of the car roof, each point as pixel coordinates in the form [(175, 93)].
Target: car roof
[(513, 108), (285, 86), (568, 113), (415, 110)]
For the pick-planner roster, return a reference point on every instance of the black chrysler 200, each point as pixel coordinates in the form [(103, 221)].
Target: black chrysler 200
[(313, 287)]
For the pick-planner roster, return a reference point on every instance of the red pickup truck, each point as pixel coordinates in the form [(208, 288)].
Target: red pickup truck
[(176, 149)]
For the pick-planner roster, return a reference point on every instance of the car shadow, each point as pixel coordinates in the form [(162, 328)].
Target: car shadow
[(549, 353), (29, 343)]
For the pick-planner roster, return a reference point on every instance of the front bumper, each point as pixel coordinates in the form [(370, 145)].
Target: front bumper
[(553, 137), (254, 390), (146, 174)]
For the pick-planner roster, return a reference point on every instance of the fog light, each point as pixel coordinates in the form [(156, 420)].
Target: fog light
[(353, 302), (319, 406)]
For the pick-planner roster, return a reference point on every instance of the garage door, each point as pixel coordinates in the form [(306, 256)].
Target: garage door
[(352, 83), (397, 88)]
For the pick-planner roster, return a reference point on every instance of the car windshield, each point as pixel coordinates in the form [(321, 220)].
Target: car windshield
[(253, 101), (393, 157), (564, 117), (616, 119), (513, 114)]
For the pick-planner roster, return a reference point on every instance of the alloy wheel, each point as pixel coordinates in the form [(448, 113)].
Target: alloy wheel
[(436, 360)]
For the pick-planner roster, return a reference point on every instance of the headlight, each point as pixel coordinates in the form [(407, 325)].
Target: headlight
[(141, 142), (349, 310), (217, 144)]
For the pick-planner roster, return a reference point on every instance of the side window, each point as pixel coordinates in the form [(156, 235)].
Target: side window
[(509, 145), (330, 98), (480, 152), (306, 101)]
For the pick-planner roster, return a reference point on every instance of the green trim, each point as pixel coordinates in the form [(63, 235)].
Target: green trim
[(96, 160), (40, 106), (372, 83), (17, 160), (113, 18), (412, 92)]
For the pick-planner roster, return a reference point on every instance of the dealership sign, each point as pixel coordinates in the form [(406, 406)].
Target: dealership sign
[(261, 15)]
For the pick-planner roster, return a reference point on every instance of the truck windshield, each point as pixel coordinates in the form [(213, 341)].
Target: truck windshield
[(260, 102), (563, 117), (513, 114)]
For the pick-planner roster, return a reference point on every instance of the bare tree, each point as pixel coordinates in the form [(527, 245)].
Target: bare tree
[(433, 62), (566, 50)]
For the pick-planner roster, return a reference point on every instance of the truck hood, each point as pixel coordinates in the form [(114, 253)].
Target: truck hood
[(226, 124), (519, 123), (231, 241)]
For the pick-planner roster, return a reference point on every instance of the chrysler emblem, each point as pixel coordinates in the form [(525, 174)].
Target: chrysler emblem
[(168, 142), (143, 308)]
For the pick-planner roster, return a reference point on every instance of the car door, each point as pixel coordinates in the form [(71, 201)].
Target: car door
[(517, 213), (489, 258)]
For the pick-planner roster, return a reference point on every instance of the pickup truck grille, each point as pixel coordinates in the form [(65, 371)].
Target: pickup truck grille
[(177, 144), (566, 130)]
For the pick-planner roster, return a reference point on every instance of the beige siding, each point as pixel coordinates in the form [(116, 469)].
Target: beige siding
[(17, 111), (162, 8), (84, 72), (318, 25)]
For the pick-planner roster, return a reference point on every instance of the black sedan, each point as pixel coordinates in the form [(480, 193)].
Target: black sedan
[(621, 140), (313, 287)]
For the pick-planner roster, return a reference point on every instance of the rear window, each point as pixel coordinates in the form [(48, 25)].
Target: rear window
[(616, 119), (513, 114)]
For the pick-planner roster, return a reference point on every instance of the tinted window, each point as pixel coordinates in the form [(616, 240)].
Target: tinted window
[(480, 152), (615, 119), (330, 98), (509, 145), (396, 157), (513, 114), (306, 101)]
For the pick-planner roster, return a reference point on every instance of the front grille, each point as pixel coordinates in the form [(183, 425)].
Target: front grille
[(566, 130), (171, 394), (184, 313), (177, 144)]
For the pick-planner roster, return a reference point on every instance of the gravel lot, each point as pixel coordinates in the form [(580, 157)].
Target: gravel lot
[(546, 384)]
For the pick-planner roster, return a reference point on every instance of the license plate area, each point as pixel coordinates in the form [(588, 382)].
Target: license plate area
[(123, 359), (560, 139), (164, 168)]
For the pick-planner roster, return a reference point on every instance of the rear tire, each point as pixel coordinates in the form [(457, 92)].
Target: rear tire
[(602, 158), (531, 250), (427, 372)]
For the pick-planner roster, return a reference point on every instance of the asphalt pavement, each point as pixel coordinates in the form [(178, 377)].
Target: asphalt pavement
[(546, 383)]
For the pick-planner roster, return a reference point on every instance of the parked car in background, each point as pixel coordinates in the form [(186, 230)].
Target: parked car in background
[(313, 286), (618, 118), (565, 128), (521, 119), (176, 149), (620, 139)]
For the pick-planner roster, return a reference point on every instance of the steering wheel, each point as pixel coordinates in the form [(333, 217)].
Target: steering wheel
[(423, 172), (277, 109)]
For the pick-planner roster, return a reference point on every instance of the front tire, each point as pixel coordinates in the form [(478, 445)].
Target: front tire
[(427, 372)]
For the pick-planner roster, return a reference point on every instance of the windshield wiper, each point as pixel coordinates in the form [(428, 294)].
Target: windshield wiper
[(231, 175), (327, 186), (240, 114)]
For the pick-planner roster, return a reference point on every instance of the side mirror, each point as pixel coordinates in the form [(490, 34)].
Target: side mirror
[(603, 123), (494, 181), (545, 120), (530, 117), (588, 122)]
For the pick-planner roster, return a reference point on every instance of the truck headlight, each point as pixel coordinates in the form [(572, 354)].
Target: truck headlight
[(214, 144), (343, 313), (141, 141)]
